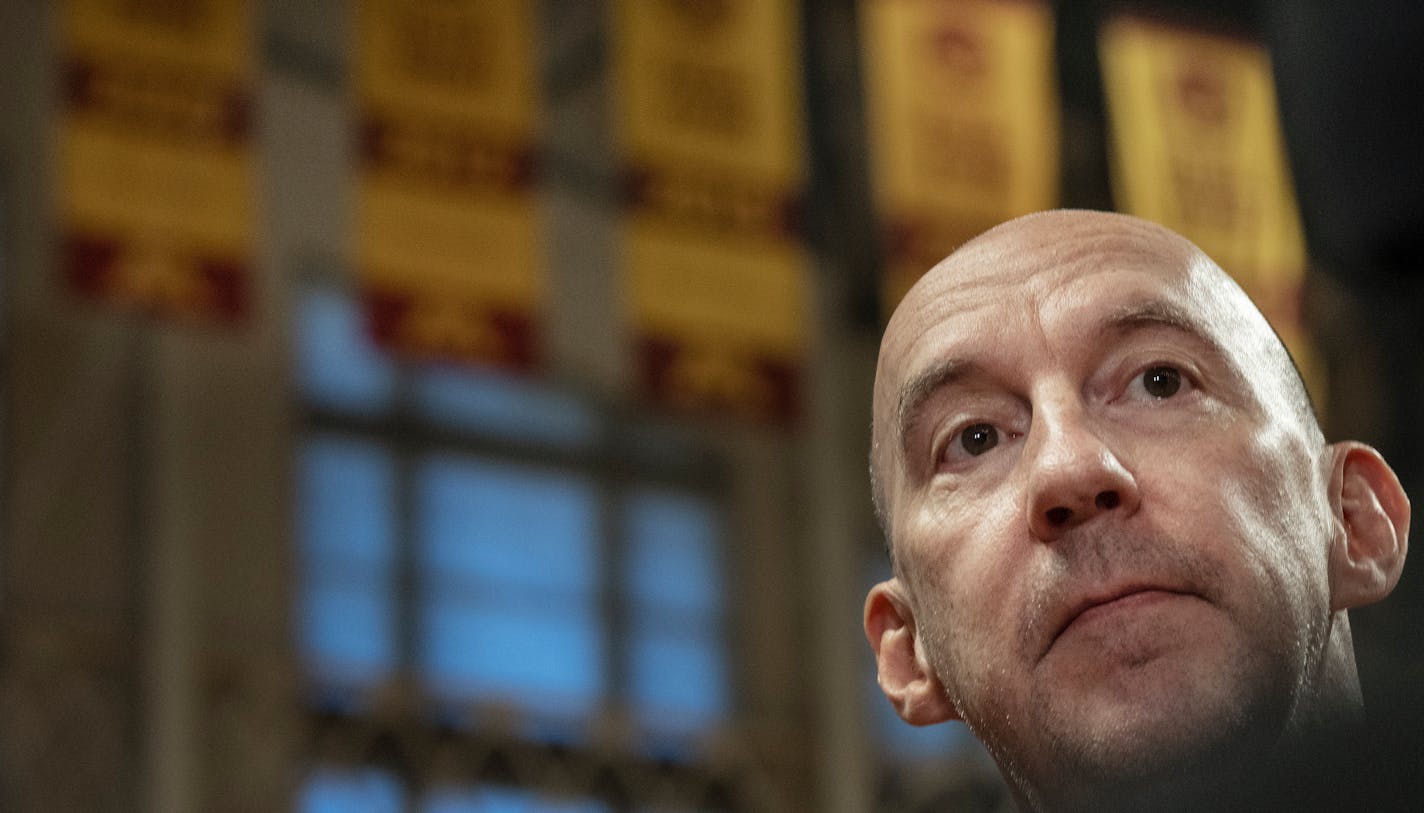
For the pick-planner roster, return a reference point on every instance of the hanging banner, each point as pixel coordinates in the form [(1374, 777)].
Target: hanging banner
[(1197, 147), (446, 230), (711, 133), (963, 123), (156, 173)]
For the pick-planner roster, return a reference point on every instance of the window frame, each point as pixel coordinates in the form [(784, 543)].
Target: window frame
[(399, 723)]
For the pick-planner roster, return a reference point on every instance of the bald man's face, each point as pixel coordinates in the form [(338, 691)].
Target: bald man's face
[(1109, 519)]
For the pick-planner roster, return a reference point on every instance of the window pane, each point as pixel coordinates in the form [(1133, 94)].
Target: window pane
[(506, 800), (678, 681), (672, 557), (351, 791), (502, 406), (505, 524), (337, 365), (677, 669), (548, 660), (508, 563), (346, 530)]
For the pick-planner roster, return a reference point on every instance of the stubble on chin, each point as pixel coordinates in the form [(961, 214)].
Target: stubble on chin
[(1171, 729), (1183, 725)]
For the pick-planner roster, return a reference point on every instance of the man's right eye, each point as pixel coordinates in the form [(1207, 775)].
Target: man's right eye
[(979, 438)]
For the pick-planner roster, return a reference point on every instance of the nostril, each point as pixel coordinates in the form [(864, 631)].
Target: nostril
[(1058, 516), (1108, 500)]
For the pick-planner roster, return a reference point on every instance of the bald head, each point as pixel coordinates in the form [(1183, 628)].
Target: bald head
[(1065, 259), (1123, 553)]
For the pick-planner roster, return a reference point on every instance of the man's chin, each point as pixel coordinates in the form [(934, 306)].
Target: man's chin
[(1152, 751), (1138, 752), (1170, 706)]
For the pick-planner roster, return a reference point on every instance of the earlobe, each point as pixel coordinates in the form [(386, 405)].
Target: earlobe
[(1373, 511), (904, 673)]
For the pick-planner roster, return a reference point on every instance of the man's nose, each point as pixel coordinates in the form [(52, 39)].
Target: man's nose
[(1074, 476)]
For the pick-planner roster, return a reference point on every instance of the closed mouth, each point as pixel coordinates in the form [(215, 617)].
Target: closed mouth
[(1119, 598)]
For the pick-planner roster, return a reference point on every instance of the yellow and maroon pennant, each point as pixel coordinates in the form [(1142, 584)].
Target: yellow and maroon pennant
[(156, 172), (447, 231), (711, 136), (1197, 147), (963, 123)]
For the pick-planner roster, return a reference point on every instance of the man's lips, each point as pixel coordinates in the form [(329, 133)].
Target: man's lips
[(1123, 599)]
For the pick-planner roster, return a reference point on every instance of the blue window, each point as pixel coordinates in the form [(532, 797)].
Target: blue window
[(337, 366), (476, 541), (492, 799), (504, 407), (671, 572), (508, 563), (347, 536), (361, 790)]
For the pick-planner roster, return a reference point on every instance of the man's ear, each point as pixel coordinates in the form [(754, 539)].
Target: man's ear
[(905, 675), (1373, 511)]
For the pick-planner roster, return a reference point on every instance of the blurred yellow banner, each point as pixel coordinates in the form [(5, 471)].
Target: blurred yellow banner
[(1197, 147), (156, 174), (711, 133), (446, 227), (963, 123)]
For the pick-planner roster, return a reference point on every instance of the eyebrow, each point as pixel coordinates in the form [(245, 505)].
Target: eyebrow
[(1157, 313), (918, 390), (1153, 313)]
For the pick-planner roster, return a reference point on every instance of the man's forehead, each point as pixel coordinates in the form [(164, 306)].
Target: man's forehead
[(1005, 274), (1050, 248)]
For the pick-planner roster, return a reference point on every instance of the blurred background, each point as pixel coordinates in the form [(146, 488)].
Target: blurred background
[(463, 405)]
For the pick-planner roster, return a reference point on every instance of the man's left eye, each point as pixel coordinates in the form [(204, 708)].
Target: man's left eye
[(979, 438), (1162, 381)]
